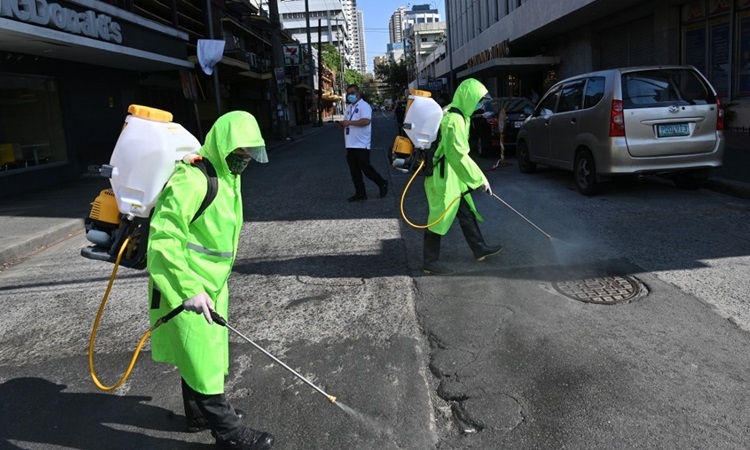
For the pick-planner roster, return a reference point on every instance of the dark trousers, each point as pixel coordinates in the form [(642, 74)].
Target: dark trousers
[(359, 163), (216, 409)]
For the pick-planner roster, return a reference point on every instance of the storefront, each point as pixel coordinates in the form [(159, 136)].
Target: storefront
[(68, 71)]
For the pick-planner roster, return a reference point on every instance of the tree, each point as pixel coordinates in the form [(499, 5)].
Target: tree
[(394, 77), (331, 58), (353, 77)]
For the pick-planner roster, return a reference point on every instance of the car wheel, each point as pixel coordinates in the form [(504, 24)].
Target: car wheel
[(584, 173), (524, 162), (693, 179)]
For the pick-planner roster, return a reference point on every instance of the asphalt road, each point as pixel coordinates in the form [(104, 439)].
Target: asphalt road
[(492, 357)]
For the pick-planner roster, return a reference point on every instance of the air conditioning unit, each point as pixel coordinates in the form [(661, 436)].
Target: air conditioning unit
[(265, 65), (251, 59)]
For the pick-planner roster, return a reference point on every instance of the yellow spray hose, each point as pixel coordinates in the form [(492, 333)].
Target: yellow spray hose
[(403, 196), (145, 336)]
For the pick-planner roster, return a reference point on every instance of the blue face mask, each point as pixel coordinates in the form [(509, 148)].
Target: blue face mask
[(351, 98)]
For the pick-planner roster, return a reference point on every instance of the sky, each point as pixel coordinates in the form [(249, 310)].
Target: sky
[(377, 14)]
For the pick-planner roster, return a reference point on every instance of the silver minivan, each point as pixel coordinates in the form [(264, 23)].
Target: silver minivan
[(635, 120)]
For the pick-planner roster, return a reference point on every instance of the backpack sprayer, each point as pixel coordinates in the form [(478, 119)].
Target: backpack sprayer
[(422, 125), (147, 151)]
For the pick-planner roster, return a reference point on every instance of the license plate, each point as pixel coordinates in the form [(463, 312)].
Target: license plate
[(672, 130), (517, 124)]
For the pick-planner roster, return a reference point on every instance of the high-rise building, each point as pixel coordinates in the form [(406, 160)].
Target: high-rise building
[(396, 25), (360, 49)]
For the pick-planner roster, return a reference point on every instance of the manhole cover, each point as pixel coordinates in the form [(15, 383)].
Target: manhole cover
[(604, 290)]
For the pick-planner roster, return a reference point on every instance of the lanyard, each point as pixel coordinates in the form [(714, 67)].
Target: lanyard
[(351, 110)]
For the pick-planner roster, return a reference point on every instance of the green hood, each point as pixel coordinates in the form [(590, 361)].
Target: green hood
[(231, 131), (467, 95)]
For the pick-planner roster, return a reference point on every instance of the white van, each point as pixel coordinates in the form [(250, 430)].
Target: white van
[(635, 120)]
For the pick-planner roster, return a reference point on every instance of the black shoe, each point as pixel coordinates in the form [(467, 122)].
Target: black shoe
[(200, 423), (384, 189), (431, 255), (487, 250), (436, 268), (357, 198), (247, 439)]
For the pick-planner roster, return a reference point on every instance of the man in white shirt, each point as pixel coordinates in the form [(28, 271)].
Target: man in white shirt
[(357, 136)]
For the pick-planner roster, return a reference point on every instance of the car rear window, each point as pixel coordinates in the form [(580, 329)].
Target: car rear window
[(664, 87)]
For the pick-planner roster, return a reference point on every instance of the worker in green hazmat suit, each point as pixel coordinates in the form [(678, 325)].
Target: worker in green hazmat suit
[(189, 262), (455, 173)]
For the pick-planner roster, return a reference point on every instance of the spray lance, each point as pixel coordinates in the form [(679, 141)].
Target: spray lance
[(161, 321)]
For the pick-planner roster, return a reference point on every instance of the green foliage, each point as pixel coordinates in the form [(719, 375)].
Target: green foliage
[(331, 58), (394, 77), (352, 77), (369, 88)]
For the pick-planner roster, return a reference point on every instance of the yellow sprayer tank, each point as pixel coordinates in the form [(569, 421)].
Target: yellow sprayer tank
[(145, 155)]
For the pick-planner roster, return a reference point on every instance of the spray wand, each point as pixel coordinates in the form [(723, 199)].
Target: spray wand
[(221, 321), (522, 216)]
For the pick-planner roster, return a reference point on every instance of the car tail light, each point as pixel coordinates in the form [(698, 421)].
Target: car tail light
[(616, 120), (720, 115)]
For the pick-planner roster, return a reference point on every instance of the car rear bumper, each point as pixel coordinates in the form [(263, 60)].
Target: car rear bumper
[(616, 160)]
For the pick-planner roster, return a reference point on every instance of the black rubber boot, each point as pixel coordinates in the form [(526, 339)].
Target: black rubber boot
[(431, 252), (247, 439), (470, 228)]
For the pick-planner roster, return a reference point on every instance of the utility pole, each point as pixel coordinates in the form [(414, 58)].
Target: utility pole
[(320, 73), (449, 47), (311, 66), (278, 64)]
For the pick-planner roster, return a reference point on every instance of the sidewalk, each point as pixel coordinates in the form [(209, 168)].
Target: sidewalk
[(34, 221)]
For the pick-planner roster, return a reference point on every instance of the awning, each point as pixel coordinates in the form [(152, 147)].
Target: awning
[(331, 97), (521, 63)]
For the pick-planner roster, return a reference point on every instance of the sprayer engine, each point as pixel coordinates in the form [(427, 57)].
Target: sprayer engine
[(107, 229)]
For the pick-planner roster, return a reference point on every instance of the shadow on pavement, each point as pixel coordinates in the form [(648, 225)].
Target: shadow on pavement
[(35, 410)]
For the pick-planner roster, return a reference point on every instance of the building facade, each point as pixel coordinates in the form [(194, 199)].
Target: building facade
[(518, 45), (396, 25), (71, 68)]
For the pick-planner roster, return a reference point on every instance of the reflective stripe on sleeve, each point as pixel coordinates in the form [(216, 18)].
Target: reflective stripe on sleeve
[(206, 251)]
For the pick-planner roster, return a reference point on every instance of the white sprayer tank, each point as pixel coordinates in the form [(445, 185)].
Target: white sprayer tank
[(145, 155), (422, 120)]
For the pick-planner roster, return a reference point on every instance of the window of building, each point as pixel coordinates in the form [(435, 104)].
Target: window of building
[(718, 44), (31, 132)]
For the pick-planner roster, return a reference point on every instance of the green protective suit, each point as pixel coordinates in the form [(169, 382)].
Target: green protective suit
[(461, 172), (185, 259)]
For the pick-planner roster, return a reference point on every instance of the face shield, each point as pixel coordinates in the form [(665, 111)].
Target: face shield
[(238, 160), (480, 104)]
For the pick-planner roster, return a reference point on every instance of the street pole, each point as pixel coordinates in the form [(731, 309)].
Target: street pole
[(311, 67), (278, 62), (320, 73), (217, 90), (449, 48)]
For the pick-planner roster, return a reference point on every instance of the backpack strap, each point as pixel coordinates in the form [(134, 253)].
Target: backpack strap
[(454, 110), (209, 171)]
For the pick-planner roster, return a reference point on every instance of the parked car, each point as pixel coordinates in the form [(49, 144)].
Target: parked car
[(638, 120), (487, 123)]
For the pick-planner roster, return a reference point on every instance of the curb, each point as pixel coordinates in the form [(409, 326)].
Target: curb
[(30, 246), (729, 187)]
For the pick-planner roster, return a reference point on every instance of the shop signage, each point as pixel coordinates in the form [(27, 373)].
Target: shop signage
[(53, 15), (500, 50)]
